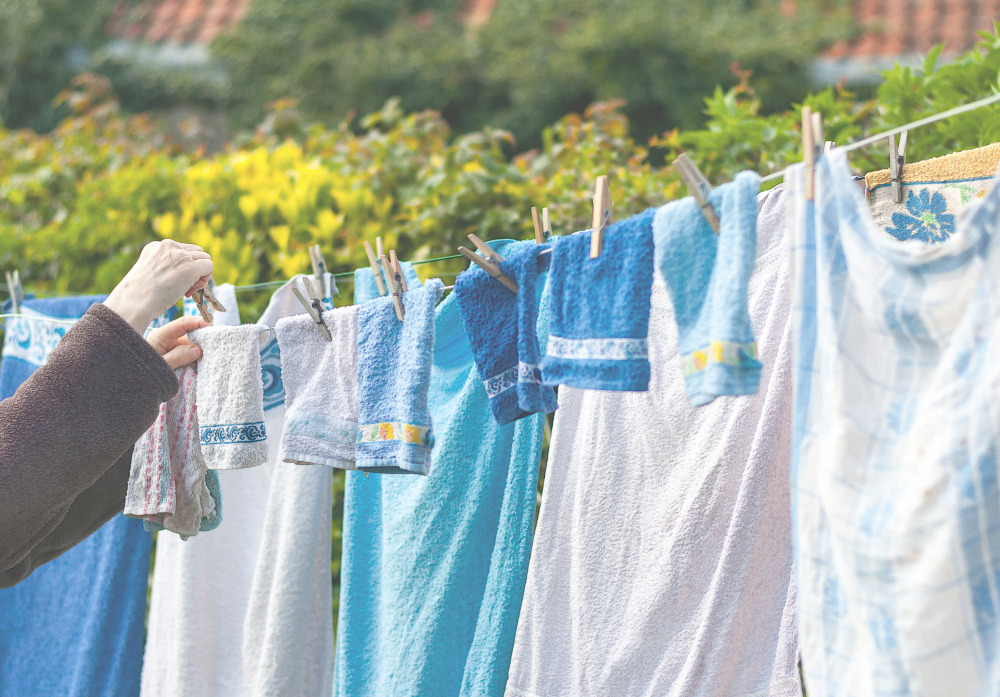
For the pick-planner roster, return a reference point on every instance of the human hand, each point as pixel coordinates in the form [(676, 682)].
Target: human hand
[(171, 342), (165, 272)]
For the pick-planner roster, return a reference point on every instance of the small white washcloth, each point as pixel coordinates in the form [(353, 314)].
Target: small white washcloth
[(231, 397), (166, 486), (321, 389)]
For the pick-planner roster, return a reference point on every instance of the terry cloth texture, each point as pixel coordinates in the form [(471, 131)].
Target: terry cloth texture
[(75, 626), (433, 567), (247, 611), (365, 286), (600, 308), (321, 389), (167, 486), (935, 192), (501, 328), (394, 370), (226, 294), (662, 562), (230, 397), (707, 276), (895, 466)]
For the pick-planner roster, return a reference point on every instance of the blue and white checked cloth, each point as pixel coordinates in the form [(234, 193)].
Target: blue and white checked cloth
[(896, 500)]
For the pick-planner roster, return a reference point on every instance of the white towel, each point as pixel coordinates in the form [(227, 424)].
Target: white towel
[(230, 396), (166, 484), (662, 557), (247, 611), (321, 389)]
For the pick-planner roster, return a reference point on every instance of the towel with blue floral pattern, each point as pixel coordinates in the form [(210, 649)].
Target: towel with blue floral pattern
[(935, 192)]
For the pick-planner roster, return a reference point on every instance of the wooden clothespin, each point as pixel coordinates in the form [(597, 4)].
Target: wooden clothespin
[(313, 306), (319, 270), (492, 265), (809, 152), (699, 187), (15, 290), (536, 222), (485, 249), (394, 288), (202, 304), (546, 224), (897, 158), (397, 271), (373, 262), (602, 215), (829, 145)]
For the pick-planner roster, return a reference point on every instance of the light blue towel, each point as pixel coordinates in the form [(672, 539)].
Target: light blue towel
[(600, 309), (394, 370), (433, 568), (707, 276), (75, 626), (501, 328)]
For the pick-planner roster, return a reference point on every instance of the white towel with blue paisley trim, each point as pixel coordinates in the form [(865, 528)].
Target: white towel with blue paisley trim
[(230, 396), (896, 494)]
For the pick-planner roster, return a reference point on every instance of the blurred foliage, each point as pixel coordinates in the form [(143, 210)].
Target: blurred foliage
[(531, 63), (38, 39)]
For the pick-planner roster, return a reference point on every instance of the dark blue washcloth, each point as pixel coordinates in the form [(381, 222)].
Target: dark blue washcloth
[(394, 372), (501, 328), (600, 309), (707, 276), (75, 627)]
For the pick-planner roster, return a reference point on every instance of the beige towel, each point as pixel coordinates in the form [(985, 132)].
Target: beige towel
[(935, 192)]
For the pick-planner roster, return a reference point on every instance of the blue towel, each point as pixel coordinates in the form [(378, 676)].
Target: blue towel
[(501, 328), (75, 627), (600, 309), (433, 568), (707, 276), (394, 370)]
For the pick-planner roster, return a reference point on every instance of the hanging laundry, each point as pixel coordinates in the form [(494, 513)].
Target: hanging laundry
[(935, 192), (600, 309), (230, 396), (321, 388), (707, 276), (169, 486), (74, 627), (662, 562), (896, 438), (433, 567), (394, 370), (246, 611), (501, 327)]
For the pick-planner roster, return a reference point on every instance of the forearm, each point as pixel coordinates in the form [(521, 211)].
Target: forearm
[(67, 427), (94, 507)]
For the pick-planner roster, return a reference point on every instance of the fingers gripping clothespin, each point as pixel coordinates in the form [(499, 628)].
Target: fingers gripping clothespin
[(15, 290), (897, 158), (699, 187), (203, 298), (602, 215), (313, 306), (491, 264)]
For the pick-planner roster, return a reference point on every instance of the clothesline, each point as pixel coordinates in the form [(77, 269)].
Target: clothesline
[(927, 120)]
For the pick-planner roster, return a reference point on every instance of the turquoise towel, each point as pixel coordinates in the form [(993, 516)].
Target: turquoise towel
[(433, 568), (600, 309), (394, 369), (707, 276), (501, 328)]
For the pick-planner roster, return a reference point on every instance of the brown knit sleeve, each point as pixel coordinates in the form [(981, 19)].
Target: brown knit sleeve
[(66, 434)]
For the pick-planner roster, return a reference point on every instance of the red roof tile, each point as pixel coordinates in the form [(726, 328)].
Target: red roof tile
[(176, 21), (894, 27)]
